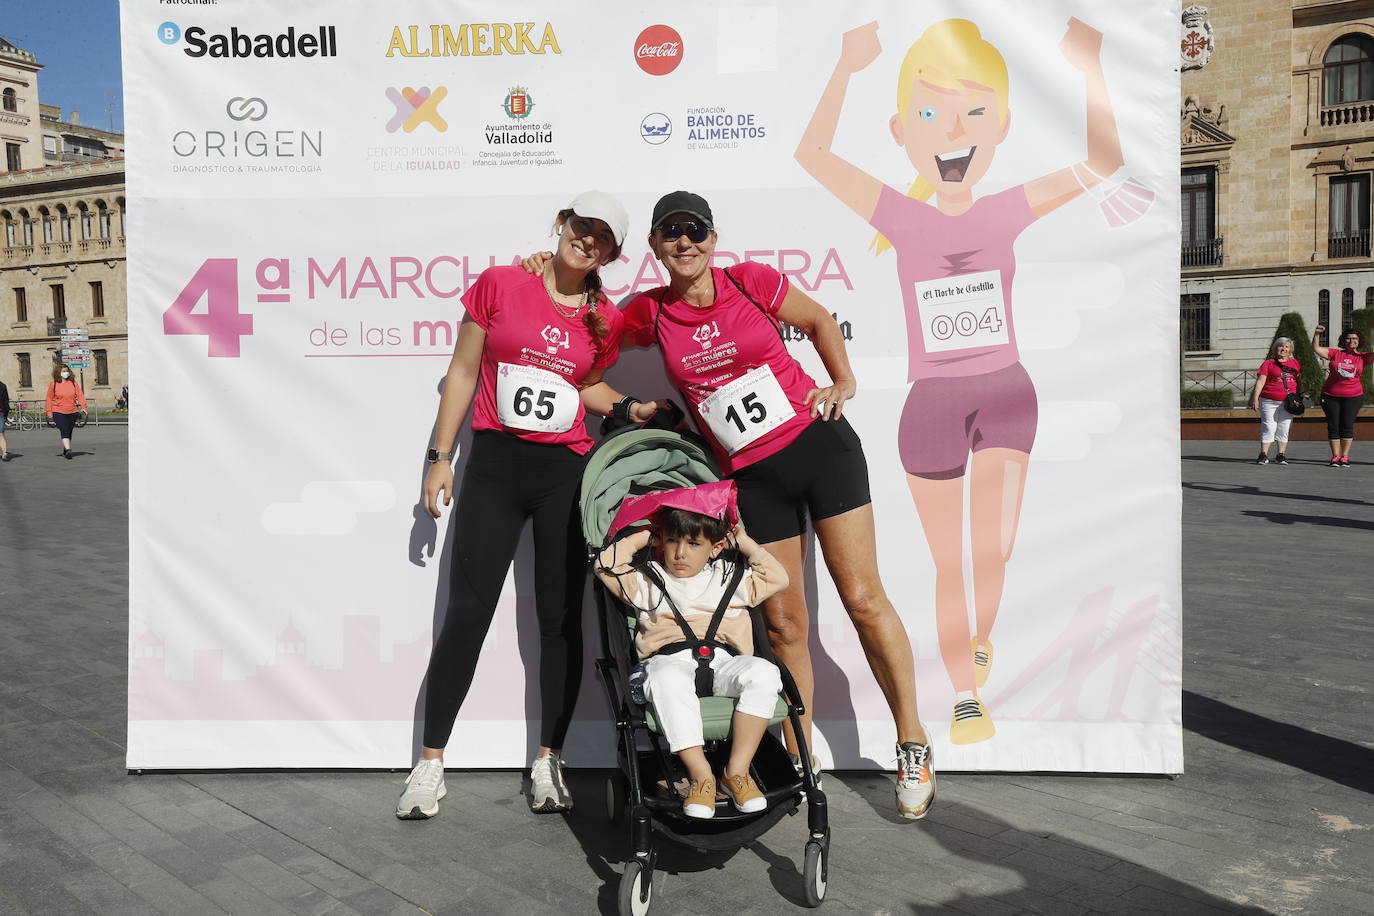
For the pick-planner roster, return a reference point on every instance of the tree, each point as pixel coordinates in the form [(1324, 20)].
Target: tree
[(1362, 320)]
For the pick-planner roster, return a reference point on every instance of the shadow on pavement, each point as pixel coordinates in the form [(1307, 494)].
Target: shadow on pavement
[(1287, 518), (1256, 491), (1330, 758)]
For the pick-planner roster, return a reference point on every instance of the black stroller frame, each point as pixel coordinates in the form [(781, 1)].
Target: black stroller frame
[(637, 789)]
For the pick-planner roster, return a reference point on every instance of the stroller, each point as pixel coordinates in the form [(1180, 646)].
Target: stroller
[(631, 462)]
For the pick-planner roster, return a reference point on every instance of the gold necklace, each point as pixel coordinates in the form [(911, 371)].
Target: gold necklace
[(563, 309)]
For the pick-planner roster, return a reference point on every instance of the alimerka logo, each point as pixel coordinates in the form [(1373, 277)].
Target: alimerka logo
[(472, 39), (416, 106), (319, 43)]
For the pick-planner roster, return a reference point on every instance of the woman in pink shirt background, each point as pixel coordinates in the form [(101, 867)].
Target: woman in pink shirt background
[(64, 399), (955, 264), (1276, 378), (1342, 393)]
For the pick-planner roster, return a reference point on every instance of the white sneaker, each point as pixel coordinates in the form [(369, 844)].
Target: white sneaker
[(915, 780), (548, 789), (424, 788)]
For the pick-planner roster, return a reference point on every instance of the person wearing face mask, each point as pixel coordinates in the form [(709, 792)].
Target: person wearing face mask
[(64, 398)]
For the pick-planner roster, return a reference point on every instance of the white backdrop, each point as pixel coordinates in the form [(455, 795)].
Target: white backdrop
[(303, 225)]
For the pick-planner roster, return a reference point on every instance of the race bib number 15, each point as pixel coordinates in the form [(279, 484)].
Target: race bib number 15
[(534, 399), (742, 411), (963, 312)]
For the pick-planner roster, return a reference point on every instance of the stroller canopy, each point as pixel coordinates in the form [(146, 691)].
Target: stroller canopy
[(633, 462)]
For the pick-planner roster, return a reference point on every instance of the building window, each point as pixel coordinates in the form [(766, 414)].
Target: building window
[(11, 157), (9, 233), (65, 224), (11, 100), (1347, 306), (102, 367), (1195, 321), (1349, 233), (1323, 313), (1369, 297), (59, 301), (28, 230), (104, 223), (1348, 71), (25, 370), (47, 227), (1201, 247), (97, 299), (85, 222), (21, 304)]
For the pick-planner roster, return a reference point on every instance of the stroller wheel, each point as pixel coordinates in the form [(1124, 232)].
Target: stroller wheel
[(616, 792), (636, 889), (814, 870)]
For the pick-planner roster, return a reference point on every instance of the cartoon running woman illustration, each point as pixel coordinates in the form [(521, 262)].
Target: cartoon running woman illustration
[(955, 265)]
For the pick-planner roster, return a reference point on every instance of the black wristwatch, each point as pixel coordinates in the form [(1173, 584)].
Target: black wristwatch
[(434, 455)]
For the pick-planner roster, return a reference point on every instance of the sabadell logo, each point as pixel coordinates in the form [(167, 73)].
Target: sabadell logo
[(321, 42), (658, 50)]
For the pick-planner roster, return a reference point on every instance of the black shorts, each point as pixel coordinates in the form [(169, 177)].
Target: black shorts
[(822, 473)]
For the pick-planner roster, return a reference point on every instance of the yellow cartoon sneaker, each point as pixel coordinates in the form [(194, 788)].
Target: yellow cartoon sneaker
[(982, 662), (971, 722)]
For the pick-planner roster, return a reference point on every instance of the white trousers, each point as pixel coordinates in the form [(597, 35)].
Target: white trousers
[(670, 683), (1274, 421)]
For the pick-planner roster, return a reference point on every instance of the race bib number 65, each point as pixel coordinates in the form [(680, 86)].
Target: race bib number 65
[(742, 411), (963, 312), (534, 399)]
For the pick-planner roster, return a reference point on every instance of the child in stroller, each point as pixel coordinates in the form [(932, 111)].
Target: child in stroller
[(689, 589)]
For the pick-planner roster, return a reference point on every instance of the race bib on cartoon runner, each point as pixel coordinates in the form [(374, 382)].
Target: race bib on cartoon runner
[(534, 399), (745, 409), (963, 312)]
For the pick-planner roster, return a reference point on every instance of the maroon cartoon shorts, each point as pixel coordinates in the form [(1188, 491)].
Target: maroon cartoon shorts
[(947, 418)]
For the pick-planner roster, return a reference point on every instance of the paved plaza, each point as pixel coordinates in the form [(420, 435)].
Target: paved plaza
[(1274, 814)]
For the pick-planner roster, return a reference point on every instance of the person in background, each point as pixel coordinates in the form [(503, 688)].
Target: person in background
[(1276, 378), (1342, 394), (4, 412), (64, 398)]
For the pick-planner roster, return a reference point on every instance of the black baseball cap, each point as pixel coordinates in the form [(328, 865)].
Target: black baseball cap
[(682, 202)]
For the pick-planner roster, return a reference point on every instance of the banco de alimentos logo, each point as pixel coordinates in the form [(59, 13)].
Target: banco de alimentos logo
[(415, 107), (319, 41)]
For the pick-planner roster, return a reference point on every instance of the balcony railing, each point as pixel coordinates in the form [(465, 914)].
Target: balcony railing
[(1203, 253), (1352, 113), (1348, 244)]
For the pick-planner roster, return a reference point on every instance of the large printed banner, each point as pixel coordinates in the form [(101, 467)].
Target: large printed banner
[(314, 185)]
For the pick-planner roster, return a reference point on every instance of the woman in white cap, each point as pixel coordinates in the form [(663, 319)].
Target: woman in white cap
[(529, 358)]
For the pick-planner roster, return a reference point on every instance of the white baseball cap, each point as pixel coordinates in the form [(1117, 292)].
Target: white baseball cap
[(602, 206)]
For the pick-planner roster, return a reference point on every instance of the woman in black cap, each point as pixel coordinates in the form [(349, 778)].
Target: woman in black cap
[(784, 440)]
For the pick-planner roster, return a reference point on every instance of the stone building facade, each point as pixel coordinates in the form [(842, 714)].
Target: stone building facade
[(62, 254), (1277, 144)]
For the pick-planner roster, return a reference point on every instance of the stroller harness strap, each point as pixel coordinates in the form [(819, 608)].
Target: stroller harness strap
[(703, 649)]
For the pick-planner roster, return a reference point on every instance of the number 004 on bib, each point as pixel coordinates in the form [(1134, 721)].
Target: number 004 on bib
[(963, 312), (534, 399)]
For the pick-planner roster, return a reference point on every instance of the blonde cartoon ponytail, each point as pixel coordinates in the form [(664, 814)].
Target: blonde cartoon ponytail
[(947, 54)]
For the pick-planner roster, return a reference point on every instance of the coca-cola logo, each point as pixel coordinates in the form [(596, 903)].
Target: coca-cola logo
[(658, 50)]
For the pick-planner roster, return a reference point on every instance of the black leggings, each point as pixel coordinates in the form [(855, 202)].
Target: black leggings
[(507, 481), (66, 422), (1340, 415)]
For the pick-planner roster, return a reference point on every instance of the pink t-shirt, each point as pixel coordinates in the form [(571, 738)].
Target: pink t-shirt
[(1343, 373), (535, 359), (956, 275), (708, 352), (1276, 387)]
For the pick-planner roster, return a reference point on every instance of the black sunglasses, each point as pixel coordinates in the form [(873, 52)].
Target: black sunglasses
[(695, 231)]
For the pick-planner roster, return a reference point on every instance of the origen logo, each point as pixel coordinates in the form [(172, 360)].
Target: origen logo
[(658, 50), (242, 109), (655, 128), (416, 106)]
